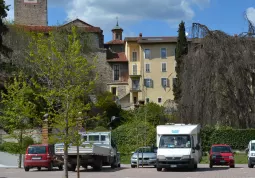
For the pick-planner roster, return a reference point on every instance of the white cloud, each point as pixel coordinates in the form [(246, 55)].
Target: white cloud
[(10, 13), (251, 14), (103, 13)]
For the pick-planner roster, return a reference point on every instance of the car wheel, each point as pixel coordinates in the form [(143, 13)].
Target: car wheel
[(38, 168), (159, 169), (60, 167), (118, 165), (133, 166), (232, 166), (50, 167), (26, 169)]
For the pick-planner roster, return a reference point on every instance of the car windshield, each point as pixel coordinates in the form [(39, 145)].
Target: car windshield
[(145, 150), (36, 150), (221, 149), (175, 141), (252, 146)]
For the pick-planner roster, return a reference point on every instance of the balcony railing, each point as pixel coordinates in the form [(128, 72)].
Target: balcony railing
[(135, 88), (135, 73)]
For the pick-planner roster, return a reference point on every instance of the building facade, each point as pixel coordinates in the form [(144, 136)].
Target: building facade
[(151, 68), (116, 58), (31, 12)]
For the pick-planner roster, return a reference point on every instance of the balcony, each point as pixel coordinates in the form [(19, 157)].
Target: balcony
[(135, 73), (135, 88), (123, 79)]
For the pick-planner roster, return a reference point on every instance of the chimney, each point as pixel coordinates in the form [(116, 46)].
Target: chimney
[(140, 35)]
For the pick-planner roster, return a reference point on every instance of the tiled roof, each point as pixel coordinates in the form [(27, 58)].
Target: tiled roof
[(118, 57), (152, 39), (115, 42)]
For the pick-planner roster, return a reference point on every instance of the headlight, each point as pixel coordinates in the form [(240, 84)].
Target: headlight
[(185, 157), (252, 154), (161, 157), (231, 157)]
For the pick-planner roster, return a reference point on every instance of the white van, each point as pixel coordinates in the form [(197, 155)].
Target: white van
[(251, 153), (179, 145)]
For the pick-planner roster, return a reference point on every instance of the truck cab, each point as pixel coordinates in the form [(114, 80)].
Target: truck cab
[(179, 146), (250, 151)]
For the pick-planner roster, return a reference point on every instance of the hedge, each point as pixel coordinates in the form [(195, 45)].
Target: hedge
[(237, 138), (130, 136)]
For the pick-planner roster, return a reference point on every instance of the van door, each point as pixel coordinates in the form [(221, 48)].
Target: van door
[(195, 153)]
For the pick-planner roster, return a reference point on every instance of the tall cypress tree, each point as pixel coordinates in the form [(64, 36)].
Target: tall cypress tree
[(180, 51), (4, 50)]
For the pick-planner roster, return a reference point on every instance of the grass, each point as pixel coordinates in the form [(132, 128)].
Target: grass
[(239, 159)]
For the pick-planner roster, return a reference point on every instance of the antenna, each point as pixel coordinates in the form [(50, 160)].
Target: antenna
[(117, 21)]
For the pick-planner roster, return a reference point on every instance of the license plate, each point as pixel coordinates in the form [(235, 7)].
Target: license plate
[(222, 161), (36, 158), (173, 166)]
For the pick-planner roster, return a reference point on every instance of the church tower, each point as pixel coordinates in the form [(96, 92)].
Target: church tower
[(117, 32), (31, 12)]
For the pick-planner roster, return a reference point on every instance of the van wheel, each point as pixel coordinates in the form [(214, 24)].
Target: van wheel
[(195, 166), (72, 167), (250, 165), (38, 168), (50, 167), (26, 169), (133, 166)]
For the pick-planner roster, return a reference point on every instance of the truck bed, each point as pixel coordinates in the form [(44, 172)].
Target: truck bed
[(94, 150)]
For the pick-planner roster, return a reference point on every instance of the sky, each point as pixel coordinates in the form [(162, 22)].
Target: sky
[(152, 17)]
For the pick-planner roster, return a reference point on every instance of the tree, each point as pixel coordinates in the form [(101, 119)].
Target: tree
[(17, 111), (4, 50), (64, 75), (181, 50)]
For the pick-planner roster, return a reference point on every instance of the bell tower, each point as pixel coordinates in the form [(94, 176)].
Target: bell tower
[(117, 32), (31, 12)]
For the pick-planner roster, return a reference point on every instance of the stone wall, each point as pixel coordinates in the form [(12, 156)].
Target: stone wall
[(30, 13)]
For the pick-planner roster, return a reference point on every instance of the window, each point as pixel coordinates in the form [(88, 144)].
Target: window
[(147, 100), (134, 69), (117, 36), (36, 150), (116, 72), (134, 56), (93, 137), (163, 67), (102, 138), (221, 149), (148, 83), (114, 91), (159, 100), (164, 82), (147, 68), (163, 53), (147, 53)]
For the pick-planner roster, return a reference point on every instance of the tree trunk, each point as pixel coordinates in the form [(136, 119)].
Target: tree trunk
[(78, 161), (66, 159), (20, 151)]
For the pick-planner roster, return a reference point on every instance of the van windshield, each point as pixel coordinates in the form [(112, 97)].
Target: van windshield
[(36, 150), (252, 146), (175, 141)]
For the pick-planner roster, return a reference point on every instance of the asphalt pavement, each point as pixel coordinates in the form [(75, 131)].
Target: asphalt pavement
[(203, 171)]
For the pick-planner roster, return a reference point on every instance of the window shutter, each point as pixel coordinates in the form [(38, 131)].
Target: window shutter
[(145, 83), (168, 82), (151, 83), (162, 82)]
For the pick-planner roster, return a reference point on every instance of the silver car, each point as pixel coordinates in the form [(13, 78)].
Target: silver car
[(147, 157)]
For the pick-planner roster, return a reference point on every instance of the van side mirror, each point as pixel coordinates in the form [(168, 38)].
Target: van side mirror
[(197, 147)]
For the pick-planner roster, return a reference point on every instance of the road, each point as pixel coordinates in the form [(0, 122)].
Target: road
[(241, 171)]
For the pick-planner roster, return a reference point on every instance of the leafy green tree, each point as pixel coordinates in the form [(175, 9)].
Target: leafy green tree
[(64, 73), (4, 50), (181, 50), (17, 111)]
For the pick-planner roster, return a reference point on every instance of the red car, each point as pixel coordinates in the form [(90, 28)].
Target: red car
[(42, 155), (221, 154)]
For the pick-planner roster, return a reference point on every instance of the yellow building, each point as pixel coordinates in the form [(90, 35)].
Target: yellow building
[(151, 67)]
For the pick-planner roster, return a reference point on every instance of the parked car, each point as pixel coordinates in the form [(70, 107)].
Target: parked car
[(221, 154), (250, 151), (42, 155), (147, 157)]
